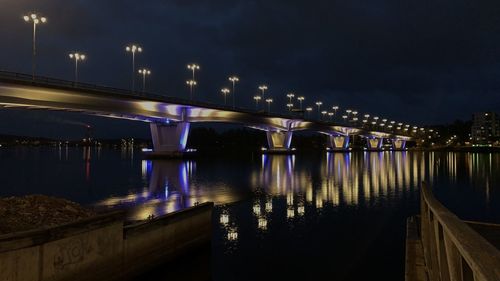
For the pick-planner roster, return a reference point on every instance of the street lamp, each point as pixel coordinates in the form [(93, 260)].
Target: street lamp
[(289, 105), (308, 110), (263, 88), (191, 84), (193, 67), (330, 114), (301, 99), (77, 57), (290, 96), (36, 20), (257, 98), (233, 80), (225, 91), (319, 103), (144, 72), (133, 49), (269, 101), (324, 112)]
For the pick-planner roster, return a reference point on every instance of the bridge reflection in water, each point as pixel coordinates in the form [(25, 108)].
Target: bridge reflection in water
[(279, 184)]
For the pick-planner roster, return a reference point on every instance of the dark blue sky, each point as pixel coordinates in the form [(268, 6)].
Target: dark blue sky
[(422, 62)]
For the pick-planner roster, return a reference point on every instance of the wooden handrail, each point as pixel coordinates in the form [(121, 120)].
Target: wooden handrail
[(453, 251)]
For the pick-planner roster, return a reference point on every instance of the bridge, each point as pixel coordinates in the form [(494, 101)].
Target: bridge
[(170, 117)]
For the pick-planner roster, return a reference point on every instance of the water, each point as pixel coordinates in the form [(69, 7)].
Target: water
[(337, 216)]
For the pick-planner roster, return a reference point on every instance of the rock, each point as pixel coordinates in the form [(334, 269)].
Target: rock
[(36, 211)]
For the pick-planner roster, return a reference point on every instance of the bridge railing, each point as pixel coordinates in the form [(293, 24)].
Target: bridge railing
[(28, 79), (452, 250)]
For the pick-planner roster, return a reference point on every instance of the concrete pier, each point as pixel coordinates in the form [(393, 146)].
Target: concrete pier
[(338, 143), (279, 142)]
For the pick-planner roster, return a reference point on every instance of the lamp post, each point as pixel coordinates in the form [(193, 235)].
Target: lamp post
[(36, 20), (193, 67), (290, 96), (324, 112), (290, 106), (330, 115), (133, 49), (77, 57), (225, 91), (301, 99), (308, 110), (269, 101), (263, 88), (144, 72), (233, 80), (257, 98), (319, 103), (191, 84)]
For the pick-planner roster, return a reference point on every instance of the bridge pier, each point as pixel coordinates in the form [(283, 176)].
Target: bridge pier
[(374, 143), (279, 142), (169, 139), (398, 144), (338, 143)]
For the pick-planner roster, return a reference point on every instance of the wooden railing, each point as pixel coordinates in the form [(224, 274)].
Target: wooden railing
[(452, 250)]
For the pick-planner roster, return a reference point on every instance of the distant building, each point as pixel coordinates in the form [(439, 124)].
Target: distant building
[(485, 128)]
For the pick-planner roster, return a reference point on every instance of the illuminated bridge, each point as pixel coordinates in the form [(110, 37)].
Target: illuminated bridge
[(170, 118)]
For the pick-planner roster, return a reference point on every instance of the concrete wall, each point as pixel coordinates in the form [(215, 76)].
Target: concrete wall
[(101, 248)]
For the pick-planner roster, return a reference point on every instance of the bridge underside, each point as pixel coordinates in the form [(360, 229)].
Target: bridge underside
[(170, 118)]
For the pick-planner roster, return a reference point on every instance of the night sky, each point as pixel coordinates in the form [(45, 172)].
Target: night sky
[(423, 62)]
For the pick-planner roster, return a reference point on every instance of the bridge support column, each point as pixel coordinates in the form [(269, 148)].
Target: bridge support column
[(169, 139), (375, 143), (338, 143), (398, 144), (279, 141)]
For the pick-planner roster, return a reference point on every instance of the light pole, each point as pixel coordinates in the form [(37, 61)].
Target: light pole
[(257, 98), (269, 101), (290, 97), (36, 21), (263, 88), (233, 80), (308, 110), (133, 49), (319, 103), (289, 105), (191, 84), (77, 57), (224, 92), (144, 72), (324, 112), (330, 114), (193, 67), (301, 99)]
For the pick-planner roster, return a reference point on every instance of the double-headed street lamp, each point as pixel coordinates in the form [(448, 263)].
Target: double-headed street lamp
[(257, 98), (144, 72), (319, 103), (77, 57), (36, 20), (225, 92), (308, 110), (290, 96), (133, 49), (191, 84), (233, 79), (193, 67), (269, 101), (290, 106), (301, 99), (263, 88)]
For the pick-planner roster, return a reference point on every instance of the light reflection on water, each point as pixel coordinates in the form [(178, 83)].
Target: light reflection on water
[(271, 207)]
